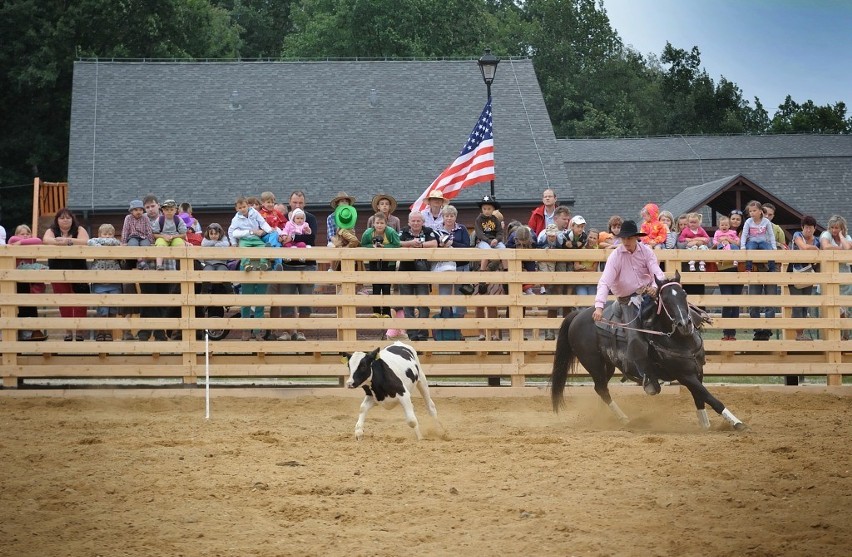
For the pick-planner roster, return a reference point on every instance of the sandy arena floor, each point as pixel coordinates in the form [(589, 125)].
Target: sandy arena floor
[(275, 475)]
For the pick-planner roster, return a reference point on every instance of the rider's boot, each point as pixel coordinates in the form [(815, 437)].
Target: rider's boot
[(651, 385), (649, 382)]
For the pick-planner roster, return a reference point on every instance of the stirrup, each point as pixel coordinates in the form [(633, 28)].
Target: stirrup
[(651, 385)]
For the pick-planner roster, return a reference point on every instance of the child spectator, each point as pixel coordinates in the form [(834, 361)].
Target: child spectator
[(246, 230), (190, 221), (254, 203), (214, 237), (654, 229), (24, 237), (521, 237), (106, 237), (576, 237), (193, 227), (667, 218), (169, 229), (757, 232), (274, 218), (609, 239), (342, 198), (385, 204), (695, 237), (296, 225), (381, 236), (588, 266), (137, 230), (777, 231), (725, 237), (488, 229)]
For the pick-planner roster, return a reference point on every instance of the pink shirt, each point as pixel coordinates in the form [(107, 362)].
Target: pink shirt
[(626, 272)]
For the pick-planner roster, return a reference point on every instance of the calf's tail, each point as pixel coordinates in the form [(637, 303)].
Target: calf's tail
[(564, 361)]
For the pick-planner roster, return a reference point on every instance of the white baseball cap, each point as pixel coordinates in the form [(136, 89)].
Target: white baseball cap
[(578, 220)]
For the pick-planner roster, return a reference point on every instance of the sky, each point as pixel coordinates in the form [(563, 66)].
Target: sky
[(769, 48)]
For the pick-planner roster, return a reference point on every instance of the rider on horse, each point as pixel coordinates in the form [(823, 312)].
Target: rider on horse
[(630, 270)]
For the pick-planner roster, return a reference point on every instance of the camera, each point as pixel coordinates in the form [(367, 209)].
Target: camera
[(377, 242), (467, 289), (442, 238)]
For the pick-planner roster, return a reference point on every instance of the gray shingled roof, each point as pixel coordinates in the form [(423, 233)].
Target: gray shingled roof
[(694, 197), (169, 128), (812, 173)]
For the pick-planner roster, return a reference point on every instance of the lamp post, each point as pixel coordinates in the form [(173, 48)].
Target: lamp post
[(488, 66)]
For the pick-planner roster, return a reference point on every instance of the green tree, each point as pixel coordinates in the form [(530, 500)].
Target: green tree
[(263, 24), (810, 118), (386, 28), (569, 40), (41, 42)]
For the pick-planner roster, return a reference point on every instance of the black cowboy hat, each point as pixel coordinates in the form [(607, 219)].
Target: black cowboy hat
[(629, 229), (488, 200)]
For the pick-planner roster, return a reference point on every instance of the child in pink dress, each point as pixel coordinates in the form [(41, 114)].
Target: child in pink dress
[(695, 237), (726, 237)]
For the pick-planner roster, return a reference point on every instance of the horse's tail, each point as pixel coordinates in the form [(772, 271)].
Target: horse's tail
[(563, 362)]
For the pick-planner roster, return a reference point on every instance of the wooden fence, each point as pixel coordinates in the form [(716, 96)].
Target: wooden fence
[(342, 319)]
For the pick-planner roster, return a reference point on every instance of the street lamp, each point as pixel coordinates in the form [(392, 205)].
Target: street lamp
[(488, 66)]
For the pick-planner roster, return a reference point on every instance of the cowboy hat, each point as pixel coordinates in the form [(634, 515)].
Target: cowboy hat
[(379, 196), (341, 195), (437, 194), (629, 229), (488, 200), (345, 216)]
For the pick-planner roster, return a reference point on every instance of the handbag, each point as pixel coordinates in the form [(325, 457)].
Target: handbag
[(805, 269)]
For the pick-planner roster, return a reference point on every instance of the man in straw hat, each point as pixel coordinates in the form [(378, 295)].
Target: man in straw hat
[(629, 273), (342, 198), (433, 217)]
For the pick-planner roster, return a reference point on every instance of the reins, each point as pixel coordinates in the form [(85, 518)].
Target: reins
[(660, 309)]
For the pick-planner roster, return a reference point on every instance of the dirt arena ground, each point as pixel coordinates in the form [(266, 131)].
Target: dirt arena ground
[(278, 475)]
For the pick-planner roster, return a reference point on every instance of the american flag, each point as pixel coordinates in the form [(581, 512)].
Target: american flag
[(474, 165)]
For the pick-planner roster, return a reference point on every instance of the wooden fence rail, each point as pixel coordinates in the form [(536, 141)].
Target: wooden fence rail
[(342, 319)]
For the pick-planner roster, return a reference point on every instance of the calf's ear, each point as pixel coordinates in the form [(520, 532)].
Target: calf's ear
[(374, 355), (344, 358)]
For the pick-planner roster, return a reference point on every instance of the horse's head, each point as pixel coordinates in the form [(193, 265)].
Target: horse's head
[(672, 305)]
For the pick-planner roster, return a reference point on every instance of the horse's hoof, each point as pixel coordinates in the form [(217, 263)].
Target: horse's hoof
[(740, 427)]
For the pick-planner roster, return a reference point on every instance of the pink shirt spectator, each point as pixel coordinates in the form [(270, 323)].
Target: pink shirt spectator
[(626, 272), (688, 234), (730, 234)]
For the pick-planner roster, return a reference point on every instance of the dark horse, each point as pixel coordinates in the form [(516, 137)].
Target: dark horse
[(676, 350)]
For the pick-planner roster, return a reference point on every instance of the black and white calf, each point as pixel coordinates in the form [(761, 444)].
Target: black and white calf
[(387, 375)]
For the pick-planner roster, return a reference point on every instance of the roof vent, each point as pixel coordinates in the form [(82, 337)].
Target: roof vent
[(373, 98), (235, 101)]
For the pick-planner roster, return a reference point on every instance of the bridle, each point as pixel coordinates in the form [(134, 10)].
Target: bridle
[(661, 307)]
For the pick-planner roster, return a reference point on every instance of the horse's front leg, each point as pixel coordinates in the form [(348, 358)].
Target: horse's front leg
[(700, 395)]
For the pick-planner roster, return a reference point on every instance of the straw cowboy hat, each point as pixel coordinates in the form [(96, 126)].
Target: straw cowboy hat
[(379, 196), (437, 194), (341, 195)]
